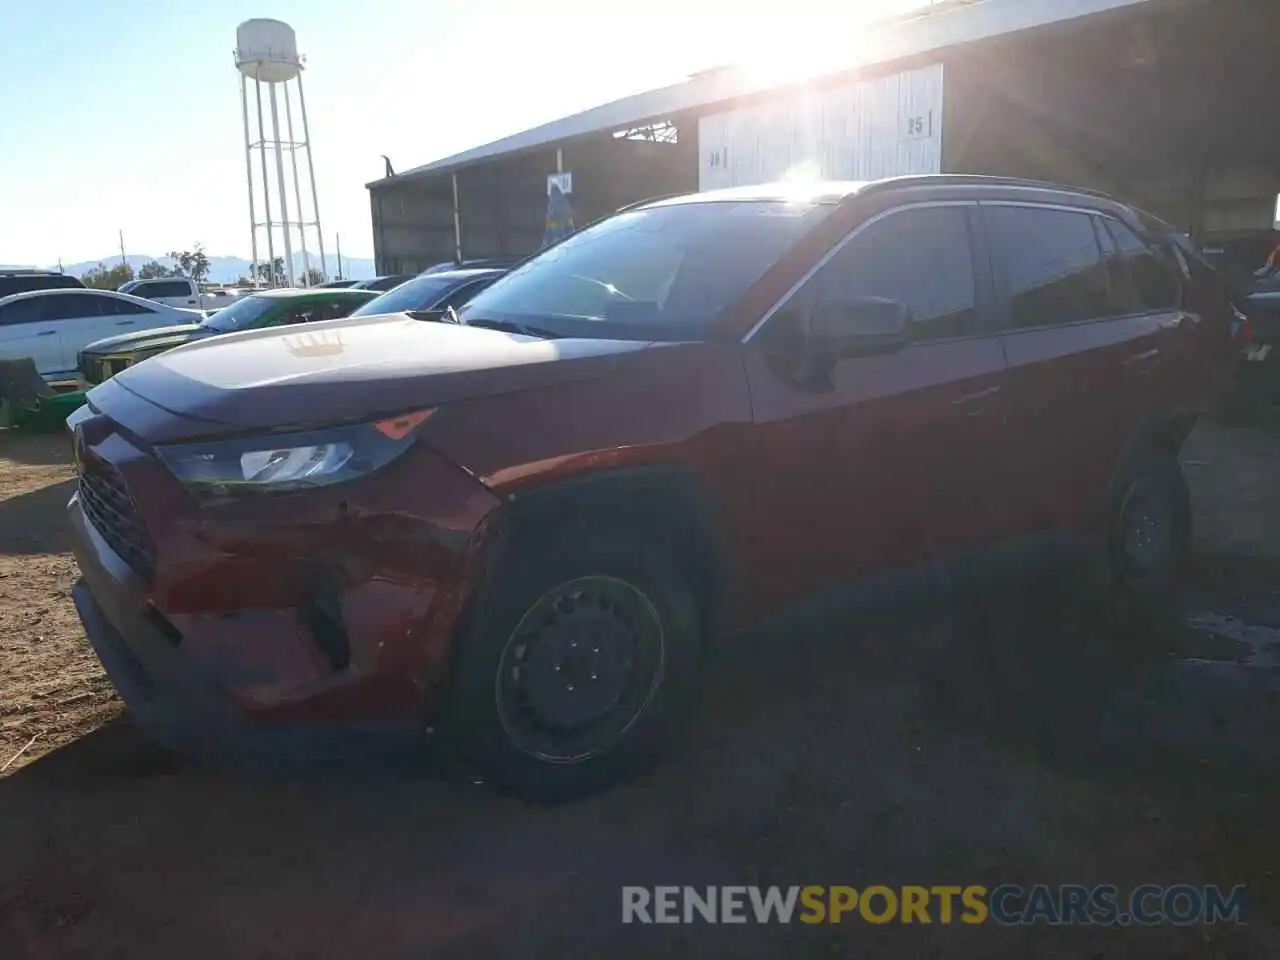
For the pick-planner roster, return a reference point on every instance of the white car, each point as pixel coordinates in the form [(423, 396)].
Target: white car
[(51, 326)]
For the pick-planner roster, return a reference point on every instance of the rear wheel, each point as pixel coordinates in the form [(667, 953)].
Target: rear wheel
[(579, 656), (1151, 536)]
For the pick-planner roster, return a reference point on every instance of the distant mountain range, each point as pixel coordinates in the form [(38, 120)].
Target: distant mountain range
[(230, 269)]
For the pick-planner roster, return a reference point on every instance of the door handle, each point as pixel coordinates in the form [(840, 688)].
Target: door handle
[(1142, 364), (976, 404), (46, 333), (124, 323)]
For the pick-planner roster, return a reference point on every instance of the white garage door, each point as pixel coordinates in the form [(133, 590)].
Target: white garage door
[(856, 131)]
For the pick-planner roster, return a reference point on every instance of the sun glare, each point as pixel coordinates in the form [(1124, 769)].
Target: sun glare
[(794, 51)]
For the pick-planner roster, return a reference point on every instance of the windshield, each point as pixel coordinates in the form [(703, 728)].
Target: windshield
[(662, 273), (240, 315), (420, 293)]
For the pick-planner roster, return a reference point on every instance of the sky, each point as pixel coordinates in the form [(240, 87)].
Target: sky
[(125, 116)]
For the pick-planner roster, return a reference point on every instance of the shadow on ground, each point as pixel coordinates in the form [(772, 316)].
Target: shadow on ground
[(35, 523), (40, 450), (1011, 741)]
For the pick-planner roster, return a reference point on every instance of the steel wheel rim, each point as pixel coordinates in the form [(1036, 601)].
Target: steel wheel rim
[(580, 669), (1146, 532)]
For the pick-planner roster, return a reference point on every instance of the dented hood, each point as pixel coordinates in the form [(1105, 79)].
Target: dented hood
[(350, 368)]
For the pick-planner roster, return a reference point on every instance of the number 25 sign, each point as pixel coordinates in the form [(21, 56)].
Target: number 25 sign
[(920, 126)]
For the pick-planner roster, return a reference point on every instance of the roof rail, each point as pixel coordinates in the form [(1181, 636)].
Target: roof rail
[(981, 180), (662, 196)]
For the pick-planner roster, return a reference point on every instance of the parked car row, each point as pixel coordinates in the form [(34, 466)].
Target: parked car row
[(53, 325), (285, 308), (525, 522), (70, 331), (269, 308)]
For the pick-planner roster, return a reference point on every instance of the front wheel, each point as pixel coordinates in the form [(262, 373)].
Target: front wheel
[(578, 659)]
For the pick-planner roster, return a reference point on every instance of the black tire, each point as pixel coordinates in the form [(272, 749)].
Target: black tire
[(553, 583), (1150, 537)]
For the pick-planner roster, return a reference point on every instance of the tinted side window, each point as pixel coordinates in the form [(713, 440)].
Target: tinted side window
[(314, 312), (1154, 285), (30, 310), (920, 257), (334, 309), (166, 288), (69, 306), (463, 294), (1050, 265), (53, 281), (118, 307), (1122, 297)]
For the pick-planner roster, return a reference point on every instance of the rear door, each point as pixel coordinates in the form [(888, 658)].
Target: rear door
[(124, 316), (1081, 363), (891, 465), (1148, 288), (80, 319), (26, 330)]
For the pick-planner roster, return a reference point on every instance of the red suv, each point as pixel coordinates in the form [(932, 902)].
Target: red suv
[(523, 528)]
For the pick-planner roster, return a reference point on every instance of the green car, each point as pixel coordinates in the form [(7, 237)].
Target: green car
[(103, 359)]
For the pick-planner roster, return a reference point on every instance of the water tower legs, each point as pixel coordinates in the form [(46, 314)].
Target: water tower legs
[(284, 200), (311, 172), (248, 163), (297, 191), (266, 188)]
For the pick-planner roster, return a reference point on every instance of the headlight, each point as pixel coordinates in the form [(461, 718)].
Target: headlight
[(290, 461)]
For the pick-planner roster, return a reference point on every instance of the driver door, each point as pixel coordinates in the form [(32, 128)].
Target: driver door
[(897, 463)]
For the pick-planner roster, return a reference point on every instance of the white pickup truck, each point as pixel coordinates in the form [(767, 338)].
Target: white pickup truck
[(177, 292)]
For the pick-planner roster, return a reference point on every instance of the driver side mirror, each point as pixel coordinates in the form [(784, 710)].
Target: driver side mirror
[(857, 327), (860, 327)]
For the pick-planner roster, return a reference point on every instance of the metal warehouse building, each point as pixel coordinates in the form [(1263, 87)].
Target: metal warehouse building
[(1171, 104)]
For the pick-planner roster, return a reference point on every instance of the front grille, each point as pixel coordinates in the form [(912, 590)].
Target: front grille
[(110, 509), (97, 369)]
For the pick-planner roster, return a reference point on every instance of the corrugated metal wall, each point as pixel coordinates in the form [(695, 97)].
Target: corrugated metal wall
[(884, 127), (503, 202)]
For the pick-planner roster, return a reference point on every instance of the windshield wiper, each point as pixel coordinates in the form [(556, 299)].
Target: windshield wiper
[(511, 326)]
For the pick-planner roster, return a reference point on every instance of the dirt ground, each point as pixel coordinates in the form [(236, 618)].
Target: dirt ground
[(1022, 741), (51, 686)]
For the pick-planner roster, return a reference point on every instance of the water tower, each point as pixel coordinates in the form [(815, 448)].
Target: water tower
[(267, 54)]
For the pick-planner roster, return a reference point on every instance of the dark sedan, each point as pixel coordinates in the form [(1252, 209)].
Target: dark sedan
[(382, 284), (432, 291)]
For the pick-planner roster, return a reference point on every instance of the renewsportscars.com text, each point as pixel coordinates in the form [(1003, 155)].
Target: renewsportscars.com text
[(1066, 904)]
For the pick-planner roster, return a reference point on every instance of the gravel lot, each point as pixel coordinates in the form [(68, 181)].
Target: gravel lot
[(1019, 741)]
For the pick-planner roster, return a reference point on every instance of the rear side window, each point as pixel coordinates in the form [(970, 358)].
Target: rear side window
[(1141, 280), (920, 257), (1050, 263), (119, 307), (163, 288)]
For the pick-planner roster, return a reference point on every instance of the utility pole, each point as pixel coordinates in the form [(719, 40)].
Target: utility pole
[(124, 262), (338, 237)]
